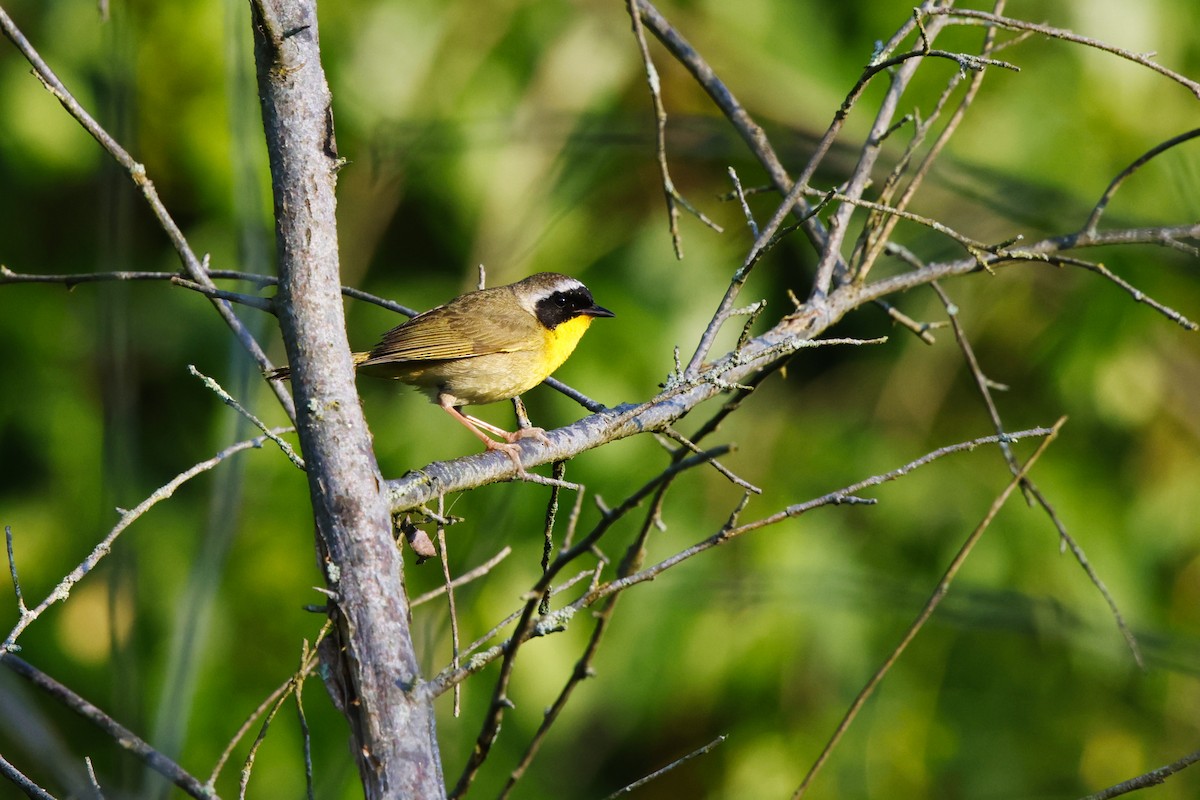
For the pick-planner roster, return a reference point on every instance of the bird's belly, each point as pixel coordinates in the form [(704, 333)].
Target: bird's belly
[(476, 381)]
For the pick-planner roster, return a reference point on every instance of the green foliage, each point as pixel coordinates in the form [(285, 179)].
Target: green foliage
[(520, 136)]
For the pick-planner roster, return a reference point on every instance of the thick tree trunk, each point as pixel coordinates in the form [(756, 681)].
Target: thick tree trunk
[(372, 667)]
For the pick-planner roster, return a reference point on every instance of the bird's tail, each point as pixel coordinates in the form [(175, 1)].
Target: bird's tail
[(285, 373)]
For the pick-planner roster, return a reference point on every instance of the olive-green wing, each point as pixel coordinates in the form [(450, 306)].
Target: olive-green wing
[(450, 331)]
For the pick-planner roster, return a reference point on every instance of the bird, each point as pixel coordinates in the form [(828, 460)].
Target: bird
[(486, 346)]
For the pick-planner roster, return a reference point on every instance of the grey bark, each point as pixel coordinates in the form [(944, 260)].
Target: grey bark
[(372, 667)]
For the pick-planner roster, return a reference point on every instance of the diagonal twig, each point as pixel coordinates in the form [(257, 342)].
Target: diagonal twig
[(926, 612), (137, 173), (115, 730)]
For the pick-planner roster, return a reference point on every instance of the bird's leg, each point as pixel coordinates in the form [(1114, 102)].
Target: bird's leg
[(508, 445)]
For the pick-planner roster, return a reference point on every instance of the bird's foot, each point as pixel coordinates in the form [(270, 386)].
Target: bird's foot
[(527, 433)]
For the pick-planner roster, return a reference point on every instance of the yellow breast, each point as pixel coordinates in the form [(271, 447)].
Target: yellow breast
[(560, 343)]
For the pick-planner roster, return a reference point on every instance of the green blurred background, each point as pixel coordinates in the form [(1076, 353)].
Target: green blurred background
[(519, 135)]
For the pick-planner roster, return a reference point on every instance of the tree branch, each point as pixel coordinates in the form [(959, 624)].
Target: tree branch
[(137, 172), (115, 730), (372, 667)]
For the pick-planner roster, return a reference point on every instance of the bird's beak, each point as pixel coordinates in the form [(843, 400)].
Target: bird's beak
[(597, 311)]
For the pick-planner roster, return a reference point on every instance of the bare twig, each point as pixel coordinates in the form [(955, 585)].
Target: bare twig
[(560, 469), (91, 771), (1094, 218), (73, 279), (878, 236), (466, 577), (248, 764), (12, 568), (579, 397), (472, 648), (1032, 492), (226, 398), (113, 729), (527, 627), (750, 131), (640, 782), (306, 659), (982, 383), (690, 446), (900, 73), (308, 663), (751, 223), (1068, 542), (252, 301), (673, 198), (63, 589), (448, 585), (931, 605), (137, 172), (844, 496), (1041, 250), (634, 555), (1137, 294), (1152, 778), (1066, 36), (28, 787), (7, 276)]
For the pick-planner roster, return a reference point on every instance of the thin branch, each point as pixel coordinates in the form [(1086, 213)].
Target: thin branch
[(931, 605), (1152, 778), (306, 655), (307, 666), (1137, 294), (732, 530), (632, 560), (1032, 492), (1041, 250), (982, 383), (1094, 218), (881, 235), (113, 729), (73, 279), (1068, 541), (12, 569), (827, 241), (692, 447), (227, 398), (137, 173), (922, 330), (448, 586), (466, 577), (672, 196), (900, 74), (63, 589), (250, 300), (248, 764), (844, 496), (1067, 36), (640, 782), (751, 223), (493, 653), (560, 469), (750, 131), (91, 771), (526, 626), (30, 789), (579, 397)]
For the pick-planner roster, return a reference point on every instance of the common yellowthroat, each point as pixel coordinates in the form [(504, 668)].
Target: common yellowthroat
[(486, 346)]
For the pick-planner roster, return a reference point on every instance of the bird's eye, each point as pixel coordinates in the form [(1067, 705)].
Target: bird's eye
[(560, 300)]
